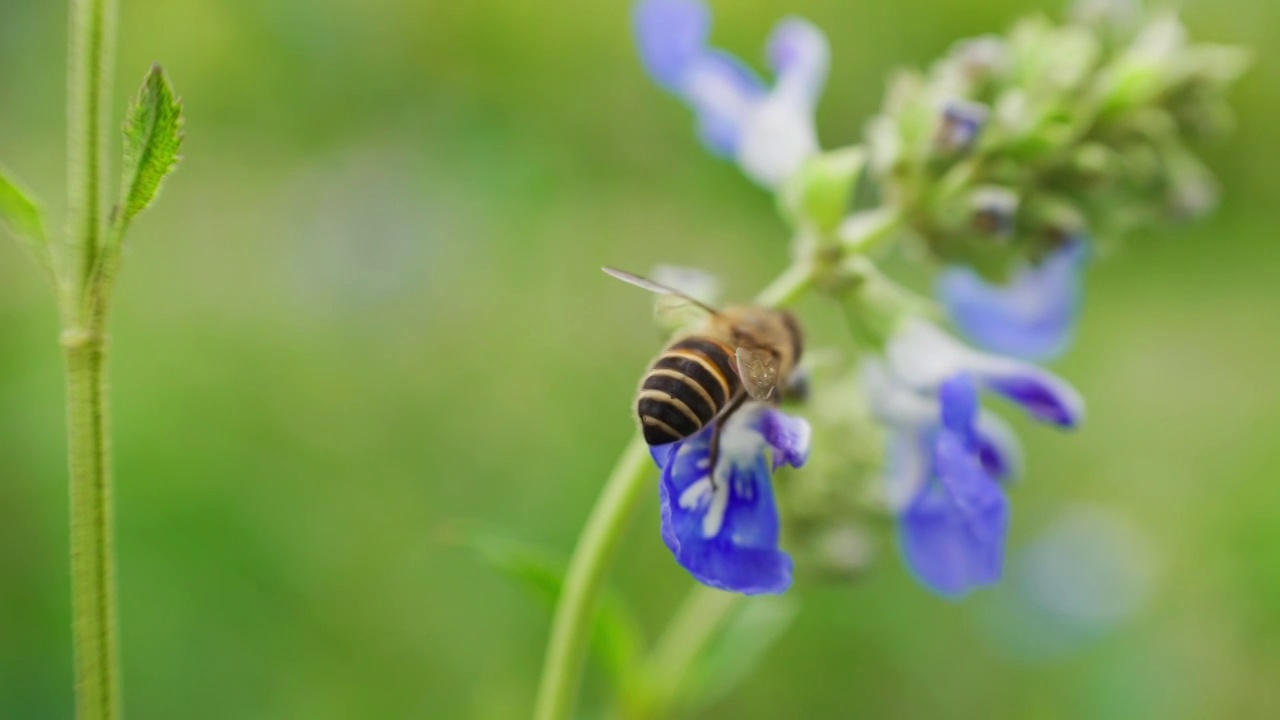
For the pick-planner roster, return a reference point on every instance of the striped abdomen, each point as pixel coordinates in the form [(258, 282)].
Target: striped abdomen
[(686, 387)]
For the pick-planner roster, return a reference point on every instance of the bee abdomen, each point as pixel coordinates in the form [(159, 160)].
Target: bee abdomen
[(685, 389)]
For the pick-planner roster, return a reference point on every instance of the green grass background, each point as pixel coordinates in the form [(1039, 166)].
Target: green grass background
[(368, 305)]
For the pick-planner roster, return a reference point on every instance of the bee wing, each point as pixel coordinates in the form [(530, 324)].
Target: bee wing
[(659, 288), (759, 372)]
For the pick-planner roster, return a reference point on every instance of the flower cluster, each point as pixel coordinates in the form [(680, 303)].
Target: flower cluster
[(1011, 147), (1009, 161)]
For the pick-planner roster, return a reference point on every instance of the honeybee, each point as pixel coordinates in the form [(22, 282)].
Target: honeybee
[(702, 377)]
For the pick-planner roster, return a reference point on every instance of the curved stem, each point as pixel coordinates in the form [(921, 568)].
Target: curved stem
[(93, 626), (571, 627), (575, 609)]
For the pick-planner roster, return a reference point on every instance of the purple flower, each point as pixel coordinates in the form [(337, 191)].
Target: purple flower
[(924, 357), (947, 462), (726, 533), (769, 131), (1032, 317), (954, 531)]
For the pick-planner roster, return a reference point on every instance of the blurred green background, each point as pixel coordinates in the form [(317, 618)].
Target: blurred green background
[(368, 306)]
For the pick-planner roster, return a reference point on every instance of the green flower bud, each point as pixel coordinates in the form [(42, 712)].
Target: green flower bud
[(993, 211), (819, 196), (1192, 189), (1147, 68), (1095, 165)]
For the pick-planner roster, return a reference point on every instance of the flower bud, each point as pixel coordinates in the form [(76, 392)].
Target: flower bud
[(994, 211), (819, 195), (1193, 191), (982, 57), (1095, 164), (1055, 220), (1145, 69), (959, 126)]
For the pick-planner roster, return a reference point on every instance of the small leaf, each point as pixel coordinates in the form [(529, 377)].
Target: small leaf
[(152, 136), (738, 649), (20, 213), (616, 638), (24, 218)]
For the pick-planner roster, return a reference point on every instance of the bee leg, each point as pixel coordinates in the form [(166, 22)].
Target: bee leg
[(713, 453)]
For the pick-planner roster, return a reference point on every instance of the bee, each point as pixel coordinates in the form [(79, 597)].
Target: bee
[(742, 352)]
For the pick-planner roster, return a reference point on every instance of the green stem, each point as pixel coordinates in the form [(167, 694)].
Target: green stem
[(91, 48), (575, 610), (571, 627), (96, 648), (785, 289), (92, 557)]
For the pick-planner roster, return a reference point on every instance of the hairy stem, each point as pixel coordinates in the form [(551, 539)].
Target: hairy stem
[(96, 648), (575, 610), (91, 48), (92, 555)]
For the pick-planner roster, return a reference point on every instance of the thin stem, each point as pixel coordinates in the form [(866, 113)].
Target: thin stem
[(787, 287), (89, 73), (694, 624), (571, 627), (94, 634), (575, 610)]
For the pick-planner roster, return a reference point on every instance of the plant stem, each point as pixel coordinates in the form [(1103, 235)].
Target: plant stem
[(91, 48), (93, 626), (92, 555), (787, 287), (575, 609), (571, 626)]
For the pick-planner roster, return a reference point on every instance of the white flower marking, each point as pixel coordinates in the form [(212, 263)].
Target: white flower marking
[(740, 447)]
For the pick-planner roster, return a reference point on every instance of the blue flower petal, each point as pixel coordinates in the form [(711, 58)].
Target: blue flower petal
[(1033, 317), (671, 35), (958, 396), (723, 92), (661, 454), (727, 537), (790, 437), (998, 448), (799, 55), (953, 534), (1045, 396)]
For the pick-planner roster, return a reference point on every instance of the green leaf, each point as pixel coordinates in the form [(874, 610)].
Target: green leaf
[(152, 136), (616, 638), (24, 218), (738, 649), (20, 213)]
